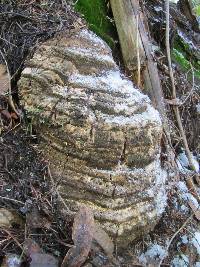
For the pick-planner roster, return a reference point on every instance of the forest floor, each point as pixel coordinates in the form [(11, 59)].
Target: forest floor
[(25, 191)]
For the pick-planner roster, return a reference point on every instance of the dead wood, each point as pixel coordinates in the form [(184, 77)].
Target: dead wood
[(126, 15)]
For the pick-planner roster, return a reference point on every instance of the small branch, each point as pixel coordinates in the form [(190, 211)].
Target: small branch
[(168, 51), (12, 200), (174, 235), (14, 239), (138, 52), (176, 109), (10, 100), (7, 42)]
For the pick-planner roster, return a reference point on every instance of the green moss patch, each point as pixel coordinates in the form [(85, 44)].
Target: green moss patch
[(96, 13), (185, 64)]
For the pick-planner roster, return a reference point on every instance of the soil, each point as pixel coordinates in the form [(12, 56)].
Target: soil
[(25, 189)]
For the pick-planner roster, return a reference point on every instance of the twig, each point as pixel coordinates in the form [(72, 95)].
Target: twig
[(26, 17), (3, 241), (10, 100), (16, 241), (13, 200), (138, 53), (152, 76), (176, 109), (7, 132), (174, 235), (7, 42)]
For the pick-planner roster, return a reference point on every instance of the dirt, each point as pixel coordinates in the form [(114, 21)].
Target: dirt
[(24, 188)]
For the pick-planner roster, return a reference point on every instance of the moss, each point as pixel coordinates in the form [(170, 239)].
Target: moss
[(186, 47), (197, 10), (185, 64), (179, 57), (195, 4), (96, 14), (185, 54)]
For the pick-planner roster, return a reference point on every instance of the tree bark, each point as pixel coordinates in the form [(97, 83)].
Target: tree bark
[(130, 23), (126, 23), (127, 13)]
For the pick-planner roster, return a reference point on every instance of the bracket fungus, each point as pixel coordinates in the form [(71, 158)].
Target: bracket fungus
[(100, 133)]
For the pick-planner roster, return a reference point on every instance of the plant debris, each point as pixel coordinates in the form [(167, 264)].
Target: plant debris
[(24, 189), (82, 235), (26, 23)]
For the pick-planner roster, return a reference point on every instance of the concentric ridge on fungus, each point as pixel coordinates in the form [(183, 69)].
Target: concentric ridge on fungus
[(100, 133)]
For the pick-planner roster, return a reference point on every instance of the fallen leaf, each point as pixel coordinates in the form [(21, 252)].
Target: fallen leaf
[(4, 79), (6, 114), (14, 115), (197, 178), (83, 226), (190, 185), (82, 235), (104, 241)]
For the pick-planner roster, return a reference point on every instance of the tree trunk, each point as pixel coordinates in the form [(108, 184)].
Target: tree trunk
[(134, 40)]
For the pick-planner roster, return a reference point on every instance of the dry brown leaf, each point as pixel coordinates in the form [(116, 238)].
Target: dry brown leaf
[(190, 185), (195, 210), (6, 114), (104, 241), (83, 225), (82, 235), (4, 79), (14, 115)]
